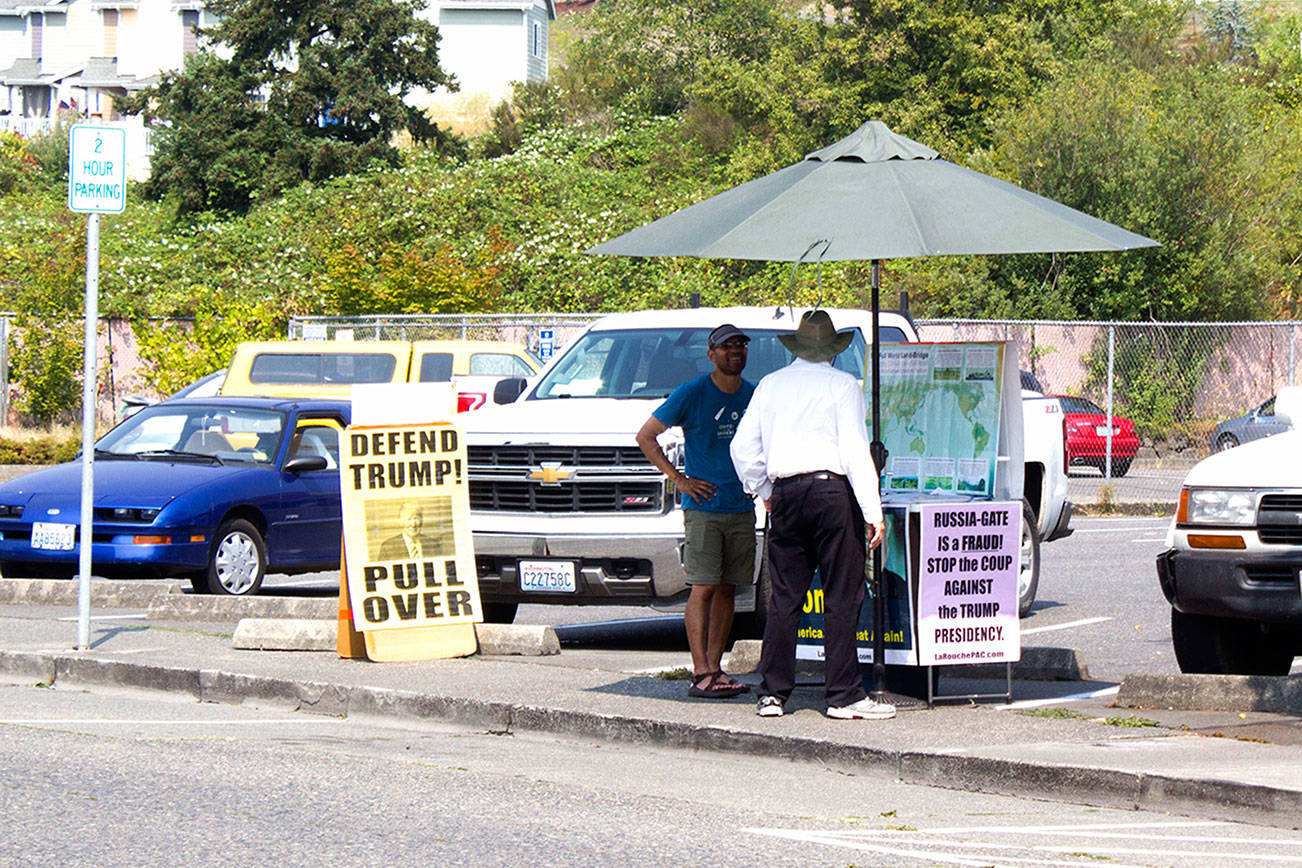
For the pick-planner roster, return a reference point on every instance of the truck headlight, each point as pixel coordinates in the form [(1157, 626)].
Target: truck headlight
[(1222, 506)]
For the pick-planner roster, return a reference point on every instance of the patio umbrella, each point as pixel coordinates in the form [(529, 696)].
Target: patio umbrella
[(873, 195)]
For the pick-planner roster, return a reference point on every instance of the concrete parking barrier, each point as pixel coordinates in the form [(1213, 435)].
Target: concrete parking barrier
[(284, 634), (63, 592), (302, 634), (1212, 692), (205, 607)]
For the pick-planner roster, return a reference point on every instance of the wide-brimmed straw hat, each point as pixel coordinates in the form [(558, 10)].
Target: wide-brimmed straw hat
[(816, 339)]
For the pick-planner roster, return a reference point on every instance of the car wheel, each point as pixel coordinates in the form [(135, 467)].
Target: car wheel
[(1206, 644), (500, 613), (1226, 442), (1028, 571), (238, 560)]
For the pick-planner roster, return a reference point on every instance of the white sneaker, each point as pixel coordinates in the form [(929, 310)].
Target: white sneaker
[(769, 706), (865, 709)]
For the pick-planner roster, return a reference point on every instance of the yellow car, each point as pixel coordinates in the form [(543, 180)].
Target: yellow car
[(329, 369)]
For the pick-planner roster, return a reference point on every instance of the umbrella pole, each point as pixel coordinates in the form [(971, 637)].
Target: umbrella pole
[(878, 449)]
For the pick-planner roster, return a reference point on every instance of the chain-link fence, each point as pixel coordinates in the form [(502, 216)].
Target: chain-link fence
[(1182, 388), (1172, 384)]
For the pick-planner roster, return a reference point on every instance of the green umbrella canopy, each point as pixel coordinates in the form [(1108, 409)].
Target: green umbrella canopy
[(872, 195)]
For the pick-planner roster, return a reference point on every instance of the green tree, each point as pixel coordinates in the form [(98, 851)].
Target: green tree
[(307, 90), (1186, 155)]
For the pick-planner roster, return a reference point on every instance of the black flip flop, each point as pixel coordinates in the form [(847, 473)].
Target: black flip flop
[(709, 691)]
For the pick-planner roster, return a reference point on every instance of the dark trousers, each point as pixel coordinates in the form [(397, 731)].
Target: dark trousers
[(815, 521)]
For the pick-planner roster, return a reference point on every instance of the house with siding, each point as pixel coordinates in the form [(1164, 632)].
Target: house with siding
[(84, 55)]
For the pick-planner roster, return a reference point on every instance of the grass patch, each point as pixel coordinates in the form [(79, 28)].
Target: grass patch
[(682, 673), (1055, 713), (1131, 721)]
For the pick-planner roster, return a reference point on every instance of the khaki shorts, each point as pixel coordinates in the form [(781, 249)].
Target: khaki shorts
[(719, 547)]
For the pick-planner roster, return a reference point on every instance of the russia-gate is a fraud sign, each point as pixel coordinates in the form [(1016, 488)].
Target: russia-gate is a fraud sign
[(967, 583), (407, 541)]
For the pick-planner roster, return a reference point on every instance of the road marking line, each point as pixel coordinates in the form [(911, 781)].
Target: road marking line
[(1037, 703), (1219, 855), (1080, 623), (1036, 830), (1116, 529), (923, 855), (129, 617)]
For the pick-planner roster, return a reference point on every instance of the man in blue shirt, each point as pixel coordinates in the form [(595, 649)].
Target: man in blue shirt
[(718, 515)]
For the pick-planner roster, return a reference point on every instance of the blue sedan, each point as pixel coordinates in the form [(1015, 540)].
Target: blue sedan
[(217, 490)]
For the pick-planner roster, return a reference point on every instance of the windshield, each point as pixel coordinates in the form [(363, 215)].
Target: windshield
[(167, 431), (651, 363)]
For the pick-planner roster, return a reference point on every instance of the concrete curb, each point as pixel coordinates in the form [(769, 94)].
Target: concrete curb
[(303, 634), (1080, 785), (195, 607), (1212, 693)]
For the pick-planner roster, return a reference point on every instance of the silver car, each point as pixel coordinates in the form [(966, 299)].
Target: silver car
[(1253, 425)]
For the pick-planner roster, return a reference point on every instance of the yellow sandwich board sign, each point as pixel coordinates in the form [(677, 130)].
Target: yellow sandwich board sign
[(407, 544)]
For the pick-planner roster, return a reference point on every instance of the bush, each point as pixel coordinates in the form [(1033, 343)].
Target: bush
[(15, 162), (53, 449)]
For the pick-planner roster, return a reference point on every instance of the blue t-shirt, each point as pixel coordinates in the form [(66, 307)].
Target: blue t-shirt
[(709, 417)]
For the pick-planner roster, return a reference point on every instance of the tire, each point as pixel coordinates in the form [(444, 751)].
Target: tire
[(1226, 442), (1120, 467), (1028, 572), (1208, 645), (238, 560), (500, 613)]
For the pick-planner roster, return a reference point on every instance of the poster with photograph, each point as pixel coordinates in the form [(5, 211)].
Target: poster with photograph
[(406, 510)]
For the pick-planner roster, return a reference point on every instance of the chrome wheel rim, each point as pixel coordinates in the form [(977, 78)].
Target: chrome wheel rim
[(237, 563), (1026, 562)]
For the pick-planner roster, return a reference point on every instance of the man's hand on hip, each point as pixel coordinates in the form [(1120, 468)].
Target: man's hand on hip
[(876, 533), (697, 489)]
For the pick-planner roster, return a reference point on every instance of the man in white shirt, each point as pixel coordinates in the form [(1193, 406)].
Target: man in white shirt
[(803, 448)]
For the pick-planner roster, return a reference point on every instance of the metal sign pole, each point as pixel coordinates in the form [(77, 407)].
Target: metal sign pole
[(97, 184), (88, 431)]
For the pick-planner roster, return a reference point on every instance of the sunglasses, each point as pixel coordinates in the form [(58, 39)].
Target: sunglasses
[(731, 345)]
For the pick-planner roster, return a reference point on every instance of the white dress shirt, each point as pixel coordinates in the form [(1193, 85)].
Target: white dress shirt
[(804, 418)]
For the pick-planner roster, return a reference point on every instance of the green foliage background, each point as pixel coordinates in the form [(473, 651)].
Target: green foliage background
[(1171, 120)]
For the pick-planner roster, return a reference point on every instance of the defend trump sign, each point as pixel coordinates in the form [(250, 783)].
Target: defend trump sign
[(406, 511)]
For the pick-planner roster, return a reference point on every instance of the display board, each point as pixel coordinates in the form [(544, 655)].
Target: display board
[(941, 410), (406, 515), (967, 583)]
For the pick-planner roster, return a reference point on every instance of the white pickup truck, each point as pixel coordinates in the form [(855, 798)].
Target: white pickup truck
[(565, 509), (1234, 554)]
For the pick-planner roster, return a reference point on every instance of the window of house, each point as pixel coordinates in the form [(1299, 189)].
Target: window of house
[(537, 40), (110, 21), (38, 26), (189, 22)]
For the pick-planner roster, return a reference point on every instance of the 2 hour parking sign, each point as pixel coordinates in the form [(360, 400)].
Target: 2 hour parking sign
[(97, 169)]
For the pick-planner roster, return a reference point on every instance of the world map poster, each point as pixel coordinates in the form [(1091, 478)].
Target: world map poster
[(940, 410)]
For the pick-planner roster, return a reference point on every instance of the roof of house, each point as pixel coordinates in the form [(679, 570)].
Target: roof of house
[(522, 5)]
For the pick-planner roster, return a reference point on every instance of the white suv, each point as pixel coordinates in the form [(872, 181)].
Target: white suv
[(1231, 571)]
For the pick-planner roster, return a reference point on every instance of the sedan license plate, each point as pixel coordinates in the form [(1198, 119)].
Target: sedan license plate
[(1103, 430), (53, 537), (548, 577)]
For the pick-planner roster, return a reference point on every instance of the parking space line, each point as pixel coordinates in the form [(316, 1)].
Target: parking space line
[(133, 616), (1069, 624), (1071, 697)]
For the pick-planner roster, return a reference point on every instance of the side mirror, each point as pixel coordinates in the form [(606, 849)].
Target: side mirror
[(508, 390), (305, 464)]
